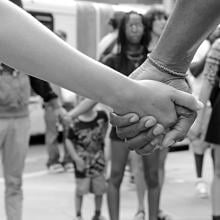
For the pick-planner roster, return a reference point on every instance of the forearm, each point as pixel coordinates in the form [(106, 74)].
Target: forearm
[(40, 53), (81, 108), (204, 97), (188, 26)]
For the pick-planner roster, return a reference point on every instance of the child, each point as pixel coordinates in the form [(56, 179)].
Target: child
[(85, 143)]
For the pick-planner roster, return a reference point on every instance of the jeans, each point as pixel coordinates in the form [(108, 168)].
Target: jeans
[(14, 142)]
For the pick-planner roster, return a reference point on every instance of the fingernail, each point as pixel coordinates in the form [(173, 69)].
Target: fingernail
[(149, 123), (134, 118), (169, 143), (200, 105), (158, 130)]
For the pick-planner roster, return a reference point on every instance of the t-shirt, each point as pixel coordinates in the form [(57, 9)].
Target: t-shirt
[(88, 141)]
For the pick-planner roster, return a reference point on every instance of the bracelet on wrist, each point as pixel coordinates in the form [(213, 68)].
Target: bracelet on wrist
[(164, 69)]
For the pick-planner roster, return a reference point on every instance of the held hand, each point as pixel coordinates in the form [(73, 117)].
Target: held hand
[(185, 117), (144, 129), (182, 125), (129, 125), (160, 104)]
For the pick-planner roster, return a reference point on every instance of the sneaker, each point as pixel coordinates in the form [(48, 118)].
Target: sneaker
[(68, 167), (56, 168), (202, 189), (140, 215), (98, 217)]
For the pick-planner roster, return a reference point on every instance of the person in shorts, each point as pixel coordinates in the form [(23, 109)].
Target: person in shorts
[(85, 143)]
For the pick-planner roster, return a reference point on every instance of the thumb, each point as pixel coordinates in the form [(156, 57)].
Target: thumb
[(181, 128), (186, 100)]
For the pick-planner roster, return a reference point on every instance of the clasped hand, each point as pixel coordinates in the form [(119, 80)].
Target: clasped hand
[(171, 112)]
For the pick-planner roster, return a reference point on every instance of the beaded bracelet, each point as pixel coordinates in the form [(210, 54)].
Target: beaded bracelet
[(165, 69)]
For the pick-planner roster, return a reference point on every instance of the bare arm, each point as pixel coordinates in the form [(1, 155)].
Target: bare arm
[(41, 53), (82, 107), (188, 26)]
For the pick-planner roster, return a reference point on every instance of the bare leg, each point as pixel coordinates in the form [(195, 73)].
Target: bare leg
[(98, 206), (162, 159), (78, 204), (119, 159), (151, 173), (138, 172)]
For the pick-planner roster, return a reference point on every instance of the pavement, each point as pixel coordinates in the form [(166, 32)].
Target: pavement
[(51, 196)]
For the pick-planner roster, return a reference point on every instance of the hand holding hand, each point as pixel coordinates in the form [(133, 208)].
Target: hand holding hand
[(182, 118), (129, 126)]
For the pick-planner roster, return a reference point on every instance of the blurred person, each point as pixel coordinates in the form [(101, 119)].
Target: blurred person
[(15, 129), (198, 145), (131, 53), (132, 43), (210, 89), (54, 128), (14, 132), (86, 144), (108, 43)]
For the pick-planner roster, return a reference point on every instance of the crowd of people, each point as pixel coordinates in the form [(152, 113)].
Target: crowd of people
[(148, 127)]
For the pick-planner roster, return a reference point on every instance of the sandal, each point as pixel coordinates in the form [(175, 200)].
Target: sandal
[(140, 215)]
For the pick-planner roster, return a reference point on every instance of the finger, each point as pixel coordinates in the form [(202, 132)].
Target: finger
[(133, 130), (181, 128), (142, 139), (158, 129), (146, 150), (151, 147), (186, 100), (123, 120)]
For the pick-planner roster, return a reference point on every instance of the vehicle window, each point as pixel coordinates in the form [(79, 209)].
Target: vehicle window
[(45, 18)]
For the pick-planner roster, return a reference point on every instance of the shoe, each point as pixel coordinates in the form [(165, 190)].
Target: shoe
[(140, 215), (202, 189), (163, 216), (68, 167), (56, 168), (98, 217)]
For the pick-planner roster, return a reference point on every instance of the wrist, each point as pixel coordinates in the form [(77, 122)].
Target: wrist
[(174, 63), (164, 69), (149, 71), (125, 97)]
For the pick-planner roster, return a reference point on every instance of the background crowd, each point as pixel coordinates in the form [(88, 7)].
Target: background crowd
[(92, 148)]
